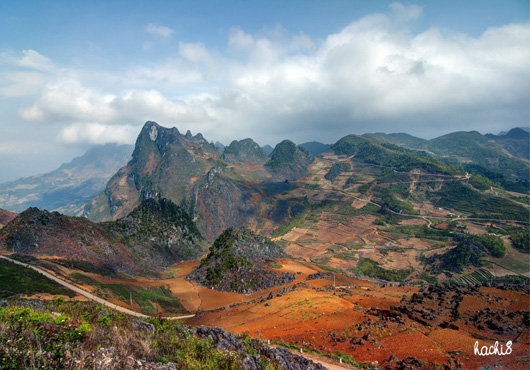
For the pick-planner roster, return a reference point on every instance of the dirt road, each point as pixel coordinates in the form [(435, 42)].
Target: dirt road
[(88, 295), (327, 363)]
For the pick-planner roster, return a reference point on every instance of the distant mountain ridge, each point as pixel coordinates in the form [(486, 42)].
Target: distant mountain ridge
[(315, 148), (527, 129), (244, 151), (71, 186), (6, 217), (289, 161), (502, 158)]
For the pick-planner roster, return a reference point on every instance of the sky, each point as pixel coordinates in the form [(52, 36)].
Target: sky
[(74, 74)]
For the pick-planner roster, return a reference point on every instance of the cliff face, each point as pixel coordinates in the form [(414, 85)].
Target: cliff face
[(164, 164)]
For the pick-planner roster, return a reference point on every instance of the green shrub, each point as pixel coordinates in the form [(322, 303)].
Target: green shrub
[(371, 268)]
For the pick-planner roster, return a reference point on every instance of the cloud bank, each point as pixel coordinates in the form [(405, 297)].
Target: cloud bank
[(373, 75)]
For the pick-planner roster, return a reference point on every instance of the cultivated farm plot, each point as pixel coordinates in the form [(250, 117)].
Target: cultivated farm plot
[(331, 241), (516, 261)]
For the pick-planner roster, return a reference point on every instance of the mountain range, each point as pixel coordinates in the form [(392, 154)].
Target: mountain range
[(240, 186), (358, 182), (71, 186)]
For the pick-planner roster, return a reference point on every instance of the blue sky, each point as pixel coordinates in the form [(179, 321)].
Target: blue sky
[(78, 73)]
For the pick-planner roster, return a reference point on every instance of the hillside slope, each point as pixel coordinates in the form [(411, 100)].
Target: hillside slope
[(501, 158), (154, 236)]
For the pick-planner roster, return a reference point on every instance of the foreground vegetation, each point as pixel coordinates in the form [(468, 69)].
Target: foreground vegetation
[(68, 335)]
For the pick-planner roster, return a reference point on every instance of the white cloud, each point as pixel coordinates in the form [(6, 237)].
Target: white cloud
[(406, 13), (161, 31), (21, 83), (373, 75), (301, 42), (97, 133), (194, 52), (34, 60), (24, 74), (67, 101)]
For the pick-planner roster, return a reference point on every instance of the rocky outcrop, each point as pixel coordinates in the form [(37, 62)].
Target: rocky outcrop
[(251, 354), (223, 340), (440, 306), (239, 262), (161, 232)]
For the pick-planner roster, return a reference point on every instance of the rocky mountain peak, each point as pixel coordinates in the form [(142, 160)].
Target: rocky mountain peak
[(289, 161), (165, 164), (246, 150), (200, 138), (518, 133)]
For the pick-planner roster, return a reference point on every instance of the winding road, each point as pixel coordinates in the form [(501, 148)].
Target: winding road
[(88, 295)]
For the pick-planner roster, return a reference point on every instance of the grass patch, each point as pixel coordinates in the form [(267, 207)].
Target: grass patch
[(420, 232), (15, 280), (287, 226), (149, 299), (515, 264), (372, 268), (465, 199), (275, 265), (86, 266), (433, 280)]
